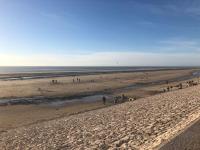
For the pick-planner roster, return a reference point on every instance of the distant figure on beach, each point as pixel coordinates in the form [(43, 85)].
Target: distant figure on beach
[(115, 100), (73, 80), (191, 83), (54, 81), (123, 97), (104, 100), (79, 80), (168, 88), (180, 86), (167, 82)]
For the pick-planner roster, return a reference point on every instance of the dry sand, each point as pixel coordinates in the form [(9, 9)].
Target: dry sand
[(142, 124), (23, 115)]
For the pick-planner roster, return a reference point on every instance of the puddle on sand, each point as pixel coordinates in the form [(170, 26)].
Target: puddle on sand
[(86, 99)]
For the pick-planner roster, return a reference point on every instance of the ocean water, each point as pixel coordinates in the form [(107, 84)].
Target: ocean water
[(59, 69)]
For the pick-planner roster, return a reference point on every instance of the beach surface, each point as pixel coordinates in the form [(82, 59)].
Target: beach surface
[(142, 124), (23, 104), (88, 83)]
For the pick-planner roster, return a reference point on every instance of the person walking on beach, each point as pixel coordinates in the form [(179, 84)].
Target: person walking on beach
[(180, 86), (53, 81), (168, 88), (104, 100), (123, 97), (115, 100)]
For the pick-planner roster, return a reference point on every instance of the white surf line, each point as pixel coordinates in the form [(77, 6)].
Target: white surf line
[(172, 132)]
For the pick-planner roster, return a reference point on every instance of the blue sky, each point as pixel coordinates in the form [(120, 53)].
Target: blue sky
[(99, 32)]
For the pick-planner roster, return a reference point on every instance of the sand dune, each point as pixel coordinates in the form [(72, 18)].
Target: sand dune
[(142, 124)]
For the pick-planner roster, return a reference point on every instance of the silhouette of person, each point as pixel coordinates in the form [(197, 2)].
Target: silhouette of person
[(104, 100)]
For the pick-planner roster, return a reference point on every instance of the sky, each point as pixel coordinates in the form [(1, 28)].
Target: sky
[(99, 33)]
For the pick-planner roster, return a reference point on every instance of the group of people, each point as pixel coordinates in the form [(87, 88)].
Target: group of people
[(180, 85), (54, 81), (117, 99), (192, 83), (77, 80)]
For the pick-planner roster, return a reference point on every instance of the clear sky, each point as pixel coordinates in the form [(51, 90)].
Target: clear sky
[(99, 32)]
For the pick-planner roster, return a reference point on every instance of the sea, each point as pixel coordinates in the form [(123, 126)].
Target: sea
[(82, 69)]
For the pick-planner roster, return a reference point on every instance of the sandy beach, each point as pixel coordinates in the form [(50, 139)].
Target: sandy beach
[(88, 83), (141, 124), (22, 114)]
